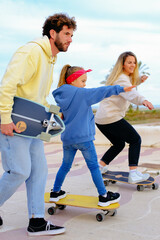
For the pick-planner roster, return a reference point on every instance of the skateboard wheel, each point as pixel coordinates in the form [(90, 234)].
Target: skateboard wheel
[(54, 109), (113, 182), (45, 136), (106, 182), (100, 217), (61, 207), (140, 187), (51, 210), (155, 186)]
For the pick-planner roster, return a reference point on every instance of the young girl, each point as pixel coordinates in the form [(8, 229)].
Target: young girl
[(109, 116), (75, 102)]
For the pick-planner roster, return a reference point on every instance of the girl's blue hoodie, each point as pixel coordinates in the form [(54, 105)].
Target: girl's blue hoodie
[(75, 104)]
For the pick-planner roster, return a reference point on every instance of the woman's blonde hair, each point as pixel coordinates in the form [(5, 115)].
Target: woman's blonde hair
[(66, 71), (118, 70)]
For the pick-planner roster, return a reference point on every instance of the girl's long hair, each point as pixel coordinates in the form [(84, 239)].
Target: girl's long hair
[(66, 71), (118, 70)]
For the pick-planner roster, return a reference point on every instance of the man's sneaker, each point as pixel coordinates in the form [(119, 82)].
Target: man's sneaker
[(46, 229), (136, 176), (111, 198), (56, 196), (103, 169), (1, 221)]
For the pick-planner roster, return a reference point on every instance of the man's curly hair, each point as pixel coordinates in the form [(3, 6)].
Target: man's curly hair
[(56, 22)]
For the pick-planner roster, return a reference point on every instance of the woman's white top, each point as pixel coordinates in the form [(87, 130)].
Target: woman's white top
[(114, 108)]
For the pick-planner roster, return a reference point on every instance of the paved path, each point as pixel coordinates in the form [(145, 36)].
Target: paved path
[(136, 219)]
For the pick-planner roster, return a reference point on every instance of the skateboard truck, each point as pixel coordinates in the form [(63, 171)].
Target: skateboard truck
[(50, 124), (100, 216)]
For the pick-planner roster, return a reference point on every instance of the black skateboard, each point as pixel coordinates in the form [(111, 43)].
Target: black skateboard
[(35, 120), (118, 176)]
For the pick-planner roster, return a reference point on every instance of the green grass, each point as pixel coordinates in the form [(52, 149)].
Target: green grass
[(141, 116)]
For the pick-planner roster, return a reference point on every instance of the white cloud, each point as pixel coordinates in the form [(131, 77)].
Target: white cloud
[(97, 42)]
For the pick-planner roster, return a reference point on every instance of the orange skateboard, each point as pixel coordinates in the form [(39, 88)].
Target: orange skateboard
[(83, 202)]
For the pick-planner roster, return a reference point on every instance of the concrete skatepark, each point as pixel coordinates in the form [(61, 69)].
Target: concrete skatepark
[(139, 212)]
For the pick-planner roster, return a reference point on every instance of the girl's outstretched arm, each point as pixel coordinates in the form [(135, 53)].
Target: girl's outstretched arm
[(95, 95)]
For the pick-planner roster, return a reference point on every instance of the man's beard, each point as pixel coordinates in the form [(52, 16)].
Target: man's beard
[(60, 45)]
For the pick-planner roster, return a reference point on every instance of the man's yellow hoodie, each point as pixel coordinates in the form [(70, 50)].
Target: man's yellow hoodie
[(28, 75)]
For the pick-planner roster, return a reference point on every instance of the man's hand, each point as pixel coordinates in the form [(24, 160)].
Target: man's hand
[(7, 129)]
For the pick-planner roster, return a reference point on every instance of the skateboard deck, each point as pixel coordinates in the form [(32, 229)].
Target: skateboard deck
[(35, 120), (83, 202), (118, 176)]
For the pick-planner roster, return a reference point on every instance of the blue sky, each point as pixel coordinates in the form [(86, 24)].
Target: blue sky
[(105, 29)]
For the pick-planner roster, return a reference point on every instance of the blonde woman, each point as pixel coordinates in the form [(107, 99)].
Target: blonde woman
[(110, 116)]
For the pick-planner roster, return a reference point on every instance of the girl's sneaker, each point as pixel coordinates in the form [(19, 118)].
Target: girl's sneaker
[(111, 198), (136, 176), (56, 196)]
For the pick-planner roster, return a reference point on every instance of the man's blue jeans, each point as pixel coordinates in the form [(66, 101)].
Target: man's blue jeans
[(90, 156), (23, 159)]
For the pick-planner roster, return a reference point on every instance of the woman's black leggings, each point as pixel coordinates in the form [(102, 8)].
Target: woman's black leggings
[(119, 133)]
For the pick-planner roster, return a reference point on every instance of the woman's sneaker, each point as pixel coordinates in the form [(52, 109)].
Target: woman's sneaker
[(46, 229), (136, 176), (56, 196), (111, 198), (104, 169)]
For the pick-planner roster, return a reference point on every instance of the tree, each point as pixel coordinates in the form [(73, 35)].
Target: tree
[(142, 68)]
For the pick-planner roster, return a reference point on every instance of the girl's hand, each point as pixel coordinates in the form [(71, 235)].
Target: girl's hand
[(148, 104), (128, 89), (143, 78)]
